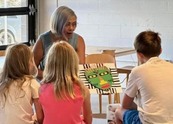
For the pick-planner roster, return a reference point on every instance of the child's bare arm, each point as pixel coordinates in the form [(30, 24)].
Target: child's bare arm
[(39, 111), (87, 112)]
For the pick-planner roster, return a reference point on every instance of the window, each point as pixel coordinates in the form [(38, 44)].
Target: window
[(17, 22)]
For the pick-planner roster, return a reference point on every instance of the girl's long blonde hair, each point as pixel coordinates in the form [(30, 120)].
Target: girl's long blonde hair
[(61, 69), (16, 67)]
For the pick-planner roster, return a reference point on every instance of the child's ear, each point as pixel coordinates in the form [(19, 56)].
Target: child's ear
[(141, 58), (140, 55), (160, 50), (33, 67)]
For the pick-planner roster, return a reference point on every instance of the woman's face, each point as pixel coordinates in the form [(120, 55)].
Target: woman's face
[(70, 26)]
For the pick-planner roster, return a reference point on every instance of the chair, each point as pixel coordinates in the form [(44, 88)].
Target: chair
[(121, 70), (2, 53), (125, 70), (103, 58)]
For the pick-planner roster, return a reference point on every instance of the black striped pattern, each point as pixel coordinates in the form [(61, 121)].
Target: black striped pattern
[(115, 88)]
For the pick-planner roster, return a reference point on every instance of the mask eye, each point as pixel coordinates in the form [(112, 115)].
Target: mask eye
[(103, 73), (92, 76)]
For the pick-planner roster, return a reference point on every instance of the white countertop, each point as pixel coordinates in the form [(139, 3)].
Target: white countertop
[(119, 51)]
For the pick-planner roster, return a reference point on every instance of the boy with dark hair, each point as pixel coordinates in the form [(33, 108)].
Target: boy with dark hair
[(147, 98)]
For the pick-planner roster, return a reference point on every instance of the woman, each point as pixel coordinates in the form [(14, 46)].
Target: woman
[(63, 23)]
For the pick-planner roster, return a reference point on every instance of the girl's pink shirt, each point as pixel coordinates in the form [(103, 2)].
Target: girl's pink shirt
[(61, 111)]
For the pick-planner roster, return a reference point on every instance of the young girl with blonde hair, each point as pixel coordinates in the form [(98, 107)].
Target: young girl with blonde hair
[(18, 87), (63, 96)]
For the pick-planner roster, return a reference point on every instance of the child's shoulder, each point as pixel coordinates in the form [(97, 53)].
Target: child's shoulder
[(31, 81), (45, 86)]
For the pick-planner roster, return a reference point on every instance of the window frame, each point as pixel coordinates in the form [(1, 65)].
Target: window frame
[(30, 11)]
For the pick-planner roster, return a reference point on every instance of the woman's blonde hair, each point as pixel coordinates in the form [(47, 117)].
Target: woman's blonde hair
[(61, 69), (16, 67)]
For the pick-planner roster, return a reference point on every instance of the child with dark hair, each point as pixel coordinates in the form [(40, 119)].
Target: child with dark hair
[(147, 98)]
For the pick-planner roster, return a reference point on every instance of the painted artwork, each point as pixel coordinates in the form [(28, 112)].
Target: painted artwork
[(100, 78)]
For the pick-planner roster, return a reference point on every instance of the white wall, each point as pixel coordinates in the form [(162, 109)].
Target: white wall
[(117, 22), (45, 9)]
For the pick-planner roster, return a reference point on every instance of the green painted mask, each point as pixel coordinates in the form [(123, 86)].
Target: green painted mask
[(99, 77)]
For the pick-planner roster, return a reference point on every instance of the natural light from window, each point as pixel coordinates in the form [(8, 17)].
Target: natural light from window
[(13, 29)]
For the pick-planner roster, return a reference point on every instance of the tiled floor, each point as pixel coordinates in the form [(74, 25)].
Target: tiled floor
[(99, 121), (95, 107)]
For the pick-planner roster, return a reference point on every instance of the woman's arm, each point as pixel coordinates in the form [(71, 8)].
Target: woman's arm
[(38, 55), (81, 50), (87, 112), (39, 111)]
